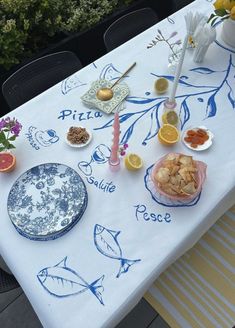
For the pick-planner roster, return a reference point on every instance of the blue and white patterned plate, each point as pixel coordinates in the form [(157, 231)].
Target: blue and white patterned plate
[(46, 201)]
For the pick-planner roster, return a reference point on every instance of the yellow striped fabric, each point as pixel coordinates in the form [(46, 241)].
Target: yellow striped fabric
[(198, 290)]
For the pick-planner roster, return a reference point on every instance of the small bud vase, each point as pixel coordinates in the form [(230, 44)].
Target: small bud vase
[(228, 32)]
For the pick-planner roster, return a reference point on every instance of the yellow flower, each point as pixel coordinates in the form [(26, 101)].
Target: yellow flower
[(218, 4), (9, 26), (228, 4), (232, 13)]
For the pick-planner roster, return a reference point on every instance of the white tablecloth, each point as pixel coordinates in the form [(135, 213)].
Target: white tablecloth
[(141, 234)]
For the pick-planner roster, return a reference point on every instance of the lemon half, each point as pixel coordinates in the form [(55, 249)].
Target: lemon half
[(161, 85), (133, 162), (170, 117)]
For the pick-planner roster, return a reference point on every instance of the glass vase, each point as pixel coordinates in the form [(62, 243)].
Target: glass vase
[(173, 58)]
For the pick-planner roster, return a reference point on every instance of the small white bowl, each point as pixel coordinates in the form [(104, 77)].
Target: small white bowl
[(81, 145), (207, 143)]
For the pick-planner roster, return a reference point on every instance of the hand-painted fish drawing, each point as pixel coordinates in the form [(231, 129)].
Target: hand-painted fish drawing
[(107, 244), (62, 281)]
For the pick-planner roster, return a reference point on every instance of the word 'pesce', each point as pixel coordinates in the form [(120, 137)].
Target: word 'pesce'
[(142, 214), (81, 116)]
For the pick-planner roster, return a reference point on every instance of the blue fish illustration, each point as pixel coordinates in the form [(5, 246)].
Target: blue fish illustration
[(62, 281), (107, 244)]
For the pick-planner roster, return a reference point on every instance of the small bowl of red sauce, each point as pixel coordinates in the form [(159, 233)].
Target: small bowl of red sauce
[(197, 138)]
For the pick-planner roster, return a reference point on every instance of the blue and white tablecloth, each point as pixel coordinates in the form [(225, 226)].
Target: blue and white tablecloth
[(93, 275)]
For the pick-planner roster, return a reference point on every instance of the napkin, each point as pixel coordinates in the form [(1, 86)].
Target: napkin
[(204, 36), (193, 21)]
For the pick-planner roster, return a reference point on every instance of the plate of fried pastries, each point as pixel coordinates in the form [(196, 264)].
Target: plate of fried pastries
[(178, 176)]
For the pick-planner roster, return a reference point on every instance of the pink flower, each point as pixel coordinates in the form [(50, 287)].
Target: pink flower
[(2, 124), (9, 130), (172, 35), (16, 128), (122, 149), (178, 42)]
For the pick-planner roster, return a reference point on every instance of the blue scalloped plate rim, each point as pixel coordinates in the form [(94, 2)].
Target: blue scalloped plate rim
[(63, 231), (52, 236)]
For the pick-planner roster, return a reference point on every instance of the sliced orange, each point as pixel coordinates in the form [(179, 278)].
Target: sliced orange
[(133, 162), (7, 162), (168, 135)]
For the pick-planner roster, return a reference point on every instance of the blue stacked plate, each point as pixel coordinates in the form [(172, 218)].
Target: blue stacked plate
[(46, 201)]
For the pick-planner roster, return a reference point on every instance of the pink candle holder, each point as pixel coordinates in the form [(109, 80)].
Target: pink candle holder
[(169, 105), (114, 166)]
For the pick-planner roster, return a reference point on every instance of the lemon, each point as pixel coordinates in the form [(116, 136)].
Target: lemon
[(228, 4), (161, 85), (218, 4), (170, 117), (232, 13), (133, 162), (168, 135)]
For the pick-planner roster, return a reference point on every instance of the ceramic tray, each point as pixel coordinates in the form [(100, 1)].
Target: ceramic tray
[(120, 92)]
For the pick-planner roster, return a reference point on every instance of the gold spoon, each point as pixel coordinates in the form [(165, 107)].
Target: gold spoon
[(105, 94)]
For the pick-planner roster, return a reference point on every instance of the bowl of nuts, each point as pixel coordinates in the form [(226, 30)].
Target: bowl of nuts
[(78, 136), (178, 176)]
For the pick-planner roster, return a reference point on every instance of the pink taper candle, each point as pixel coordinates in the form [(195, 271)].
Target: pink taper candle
[(114, 157)]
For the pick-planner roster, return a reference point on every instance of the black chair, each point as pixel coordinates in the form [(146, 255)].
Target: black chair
[(128, 26), (178, 4), (7, 282), (38, 76)]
